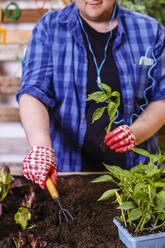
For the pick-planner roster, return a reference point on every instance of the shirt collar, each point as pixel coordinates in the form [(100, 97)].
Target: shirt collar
[(119, 17), (69, 17)]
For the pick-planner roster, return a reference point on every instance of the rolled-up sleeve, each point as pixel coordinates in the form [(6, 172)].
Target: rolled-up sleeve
[(158, 74), (37, 69)]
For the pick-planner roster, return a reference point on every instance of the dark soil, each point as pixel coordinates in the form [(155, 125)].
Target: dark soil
[(92, 227)]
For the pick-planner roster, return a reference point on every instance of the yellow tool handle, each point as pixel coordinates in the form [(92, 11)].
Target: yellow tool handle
[(51, 188)]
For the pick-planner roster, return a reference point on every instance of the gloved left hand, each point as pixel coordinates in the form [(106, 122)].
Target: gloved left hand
[(121, 139), (40, 163)]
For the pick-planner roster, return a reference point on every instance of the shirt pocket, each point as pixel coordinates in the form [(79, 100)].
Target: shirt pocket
[(141, 79), (141, 83)]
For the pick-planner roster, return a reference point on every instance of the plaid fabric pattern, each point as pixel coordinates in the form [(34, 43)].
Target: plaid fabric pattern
[(55, 71), (38, 164)]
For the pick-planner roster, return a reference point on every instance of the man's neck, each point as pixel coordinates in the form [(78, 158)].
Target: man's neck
[(102, 27)]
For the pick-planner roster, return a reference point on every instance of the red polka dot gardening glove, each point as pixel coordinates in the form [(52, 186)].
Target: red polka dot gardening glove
[(39, 164), (121, 139)]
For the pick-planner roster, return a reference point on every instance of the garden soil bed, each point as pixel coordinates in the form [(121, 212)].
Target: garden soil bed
[(92, 228)]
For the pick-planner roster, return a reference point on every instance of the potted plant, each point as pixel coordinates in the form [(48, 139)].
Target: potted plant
[(140, 196)]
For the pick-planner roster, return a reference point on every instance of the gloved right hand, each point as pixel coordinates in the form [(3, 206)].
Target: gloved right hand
[(39, 164)]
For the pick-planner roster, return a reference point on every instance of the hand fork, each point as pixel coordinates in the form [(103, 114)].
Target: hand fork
[(54, 194)]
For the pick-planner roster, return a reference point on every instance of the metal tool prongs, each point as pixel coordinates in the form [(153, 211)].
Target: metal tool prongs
[(54, 194)]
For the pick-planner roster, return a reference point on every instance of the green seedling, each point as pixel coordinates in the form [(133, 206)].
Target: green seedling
[(22, 217), (19, 241), (5, 184), (139, 192), (111, 100)]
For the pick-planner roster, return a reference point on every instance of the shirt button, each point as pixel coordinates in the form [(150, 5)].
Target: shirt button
[(86, 61), (84, 118), (85, 91)]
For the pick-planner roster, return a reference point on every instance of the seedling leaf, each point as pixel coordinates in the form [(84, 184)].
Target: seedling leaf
[(117, 100), (106, 88), (141, 152), (97, 114), (22, 217), (107, 194), (111, 110), (135, 214), (126, 205), (104, 178), (161, 195), (97, 96), (116, 171)]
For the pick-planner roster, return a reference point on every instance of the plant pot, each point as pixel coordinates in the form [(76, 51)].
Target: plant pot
[(156, 240)]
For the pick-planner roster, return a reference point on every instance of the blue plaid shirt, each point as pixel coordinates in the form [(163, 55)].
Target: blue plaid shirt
[(55, 71)]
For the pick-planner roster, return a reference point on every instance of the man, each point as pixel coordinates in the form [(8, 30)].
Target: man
[(69, 52)]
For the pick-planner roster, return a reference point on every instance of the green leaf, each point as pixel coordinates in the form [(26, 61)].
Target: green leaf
[(147, 216), (135, 214), (98, 114), (106, 88), (111, 110), (155, 157), (104, 178), (117, 100), (116, 94), (107, 194), (97, 96), (153, 172), (141, 168), (4, 189), (160, 205), (141, 152), (152, 192), (162, 168), (161, 216), (161, 195), (5, 176), (5, 182), (126, 205), (139, 186), (159, 184), (22, 217), (116, 171)]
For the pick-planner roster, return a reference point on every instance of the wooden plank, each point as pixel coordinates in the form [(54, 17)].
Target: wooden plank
[(9, 85), (9, 114), (17, 36), (12, 52), (27, 15), (67, 2), (15, 167)]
